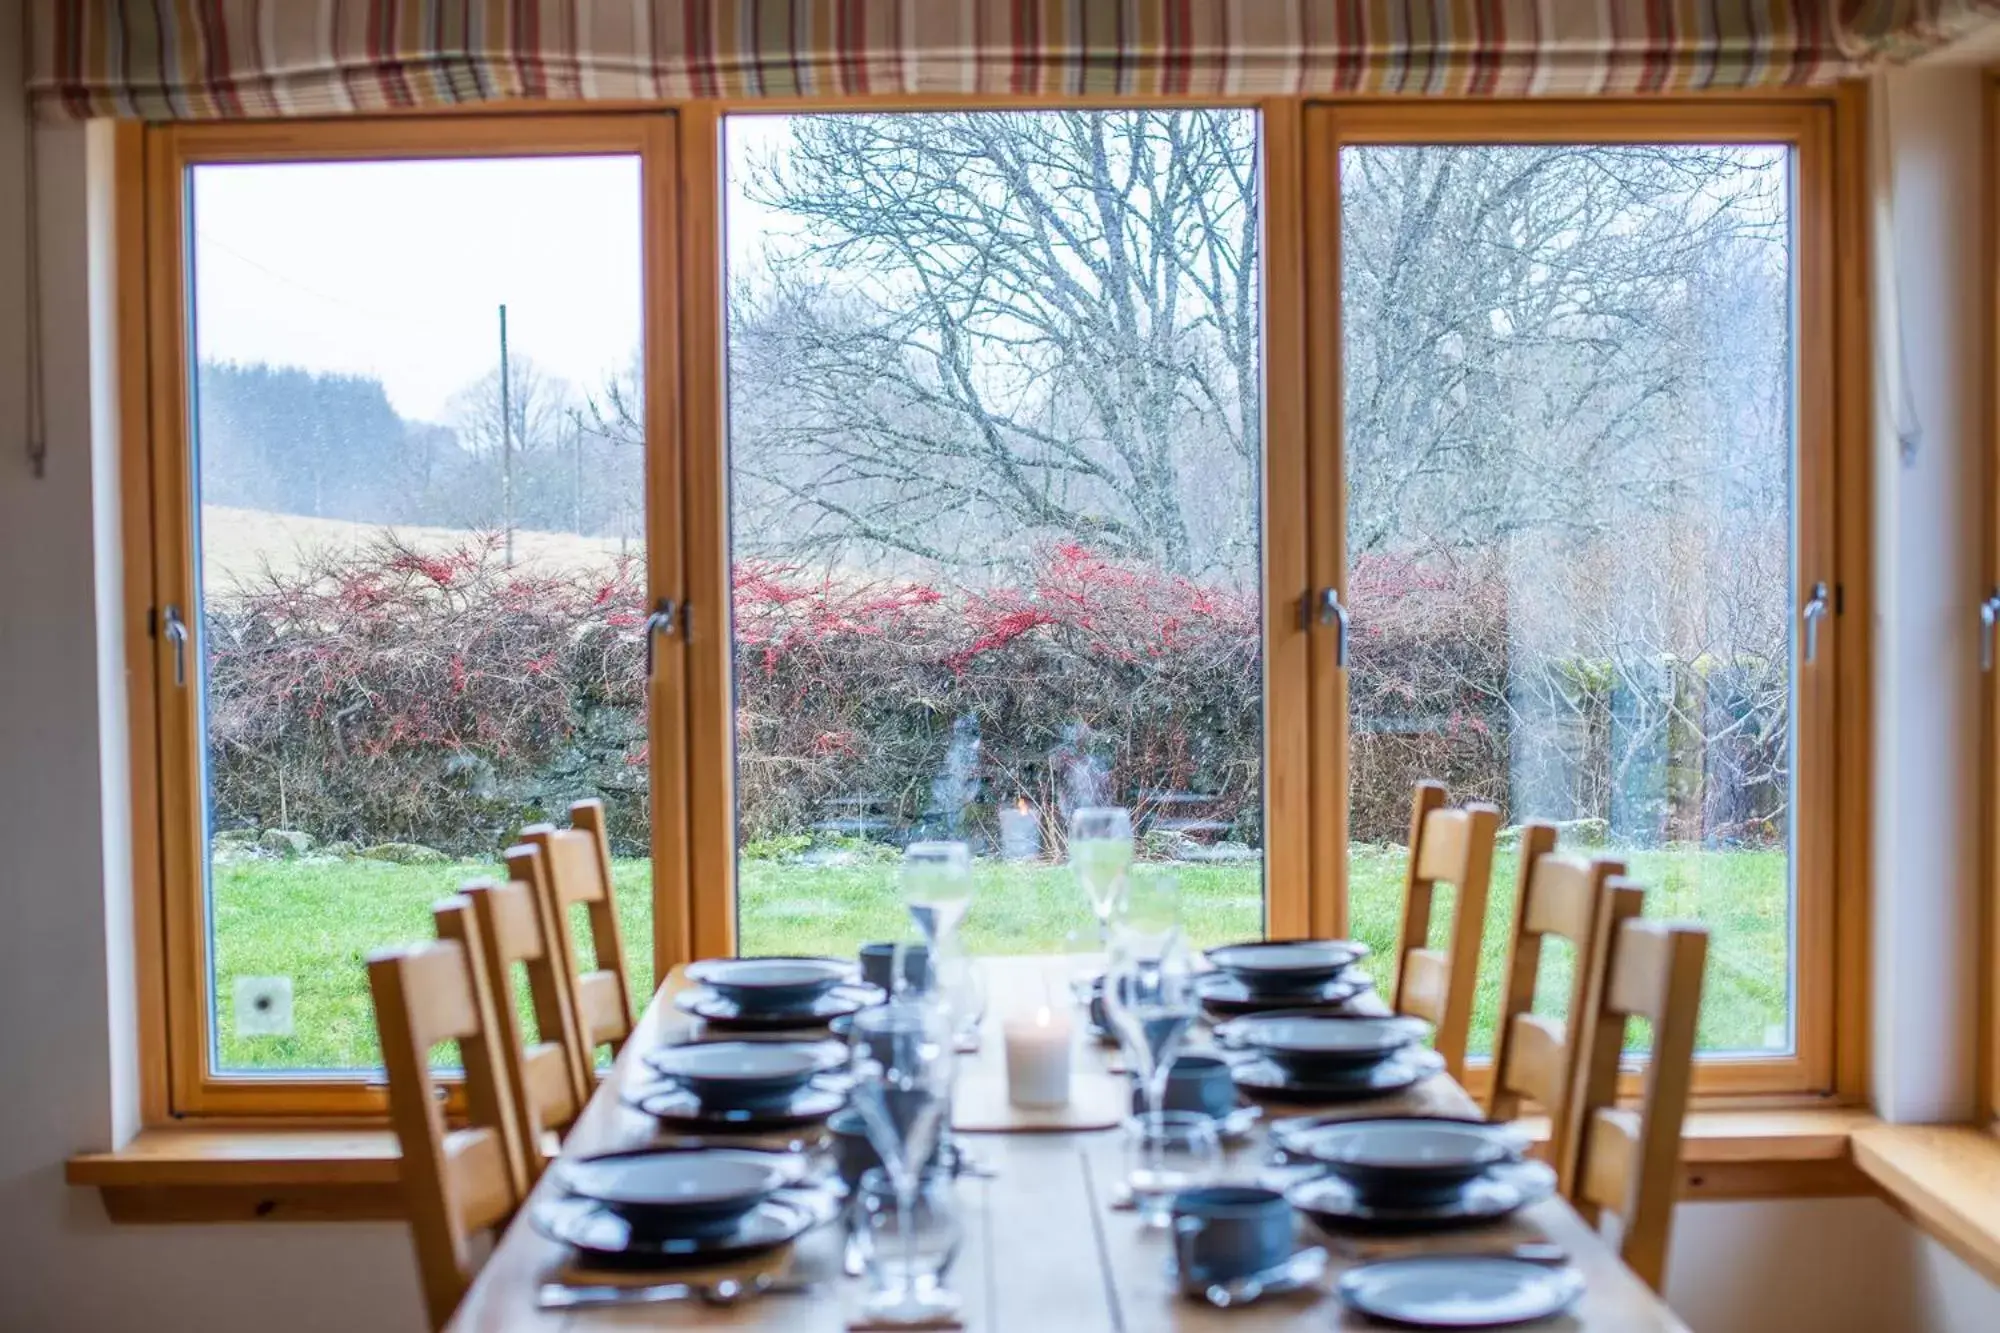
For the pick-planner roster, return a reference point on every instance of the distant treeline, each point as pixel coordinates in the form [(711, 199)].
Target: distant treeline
[(293, 441)]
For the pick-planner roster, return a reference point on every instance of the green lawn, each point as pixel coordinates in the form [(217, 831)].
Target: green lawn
[(315, 920)]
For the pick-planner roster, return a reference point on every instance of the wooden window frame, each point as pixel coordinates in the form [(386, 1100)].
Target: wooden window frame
[(177, 1077), (688, 523), (1988, 1112), (1830, 538)]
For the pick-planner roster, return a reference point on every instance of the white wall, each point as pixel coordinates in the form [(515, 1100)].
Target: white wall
[(62, 876), (64, 966), (1929, 453)]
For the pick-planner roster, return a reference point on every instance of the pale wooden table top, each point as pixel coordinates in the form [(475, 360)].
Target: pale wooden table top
[(1043, 1250)]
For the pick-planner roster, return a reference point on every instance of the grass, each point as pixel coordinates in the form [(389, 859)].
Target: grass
[(315, 921)]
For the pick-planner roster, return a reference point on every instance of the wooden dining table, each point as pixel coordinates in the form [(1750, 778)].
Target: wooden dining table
[(1047, 1246)]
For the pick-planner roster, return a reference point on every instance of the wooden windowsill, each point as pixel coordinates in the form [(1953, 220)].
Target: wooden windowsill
[(237, 1174), (244, 1174), (1945, 1179)]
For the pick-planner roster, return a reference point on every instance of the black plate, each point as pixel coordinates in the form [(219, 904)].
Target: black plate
[(1271, 1081), (1334, 1205), (1223, 996), (1286, 967), (721, 1012), (603, 1239), (675, 1106), (1438, 1291)]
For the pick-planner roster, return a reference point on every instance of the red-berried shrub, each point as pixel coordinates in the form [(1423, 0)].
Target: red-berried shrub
[(387, 693)]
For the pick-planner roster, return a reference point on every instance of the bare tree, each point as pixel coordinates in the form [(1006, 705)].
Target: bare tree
[(1035, 323)]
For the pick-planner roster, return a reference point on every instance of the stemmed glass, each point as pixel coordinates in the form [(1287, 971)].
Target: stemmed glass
[(937, 888), (1100, 851), (902, 1061), (1150, 1002)]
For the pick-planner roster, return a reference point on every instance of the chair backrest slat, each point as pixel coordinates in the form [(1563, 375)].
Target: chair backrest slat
[(1455, 847), (574, 867), (1536, 1057), (1624, 1162), (459, 1183), (543, 1076)]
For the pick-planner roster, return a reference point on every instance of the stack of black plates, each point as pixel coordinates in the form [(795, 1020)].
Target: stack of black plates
[(1262, 975), (1410, 1173), (769, 994), (663, 1207), (1304, 1055), (751, 1086)]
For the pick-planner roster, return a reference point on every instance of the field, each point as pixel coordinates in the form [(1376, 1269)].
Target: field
[(315, 920)]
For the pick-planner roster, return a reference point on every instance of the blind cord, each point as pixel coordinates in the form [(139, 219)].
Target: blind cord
[(31, 303)]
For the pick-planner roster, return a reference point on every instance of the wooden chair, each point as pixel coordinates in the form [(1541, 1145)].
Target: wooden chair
[(576, 868), (1455, 846), (506, 925), (457, 1183), (1535, 1058), (1623, 1161)]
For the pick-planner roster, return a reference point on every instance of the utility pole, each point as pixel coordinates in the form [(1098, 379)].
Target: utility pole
[(506, 447)]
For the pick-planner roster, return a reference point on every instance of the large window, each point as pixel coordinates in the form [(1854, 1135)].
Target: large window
[(1582, 577), (969, 467), (417, 567), (994, 463)]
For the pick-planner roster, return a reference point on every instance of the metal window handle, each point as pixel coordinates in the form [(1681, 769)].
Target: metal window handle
[(1989, 614), (660, 622), (1812, 613), (1333, 612), (176, 631)]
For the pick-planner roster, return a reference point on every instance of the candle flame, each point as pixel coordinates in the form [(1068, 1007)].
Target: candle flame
[(1021, 804), (1043, 1018)]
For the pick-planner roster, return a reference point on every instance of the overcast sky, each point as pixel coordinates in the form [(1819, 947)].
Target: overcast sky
[(397, 269)]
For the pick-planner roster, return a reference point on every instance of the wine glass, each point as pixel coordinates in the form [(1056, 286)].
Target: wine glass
[(902, 1061), (1149, 997), (1150, 915), (1100, 851), (937, 888), (1167, 1152), (881, 1222)]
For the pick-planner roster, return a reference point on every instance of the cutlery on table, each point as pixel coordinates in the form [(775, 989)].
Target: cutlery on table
[(1298, 1271), (1546, 1253), (728, 1291)]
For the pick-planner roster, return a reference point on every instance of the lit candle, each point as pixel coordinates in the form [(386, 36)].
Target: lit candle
[(1020, 833), (1038, 1059)]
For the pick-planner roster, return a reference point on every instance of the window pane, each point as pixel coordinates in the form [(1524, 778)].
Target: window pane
[(994, 458), (1568, 409), (418, 630)]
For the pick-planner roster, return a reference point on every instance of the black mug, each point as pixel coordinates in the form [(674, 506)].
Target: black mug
[(877, 960), (854, 1153), (1230, 1231), (1196, 1082)]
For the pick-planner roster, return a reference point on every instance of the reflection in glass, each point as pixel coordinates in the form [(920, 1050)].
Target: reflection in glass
[(994, 443), (1568, 456)]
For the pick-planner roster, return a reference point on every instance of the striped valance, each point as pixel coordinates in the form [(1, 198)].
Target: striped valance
[(201, 59)]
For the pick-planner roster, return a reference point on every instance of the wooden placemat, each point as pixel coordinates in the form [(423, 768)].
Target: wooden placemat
[(1098, 1099)]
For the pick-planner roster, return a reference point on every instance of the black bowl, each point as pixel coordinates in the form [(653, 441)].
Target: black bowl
[(1405, 1160), (680, 1192), (741, 1073), (770, 984), (1307, 1043), (1277, 966)]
